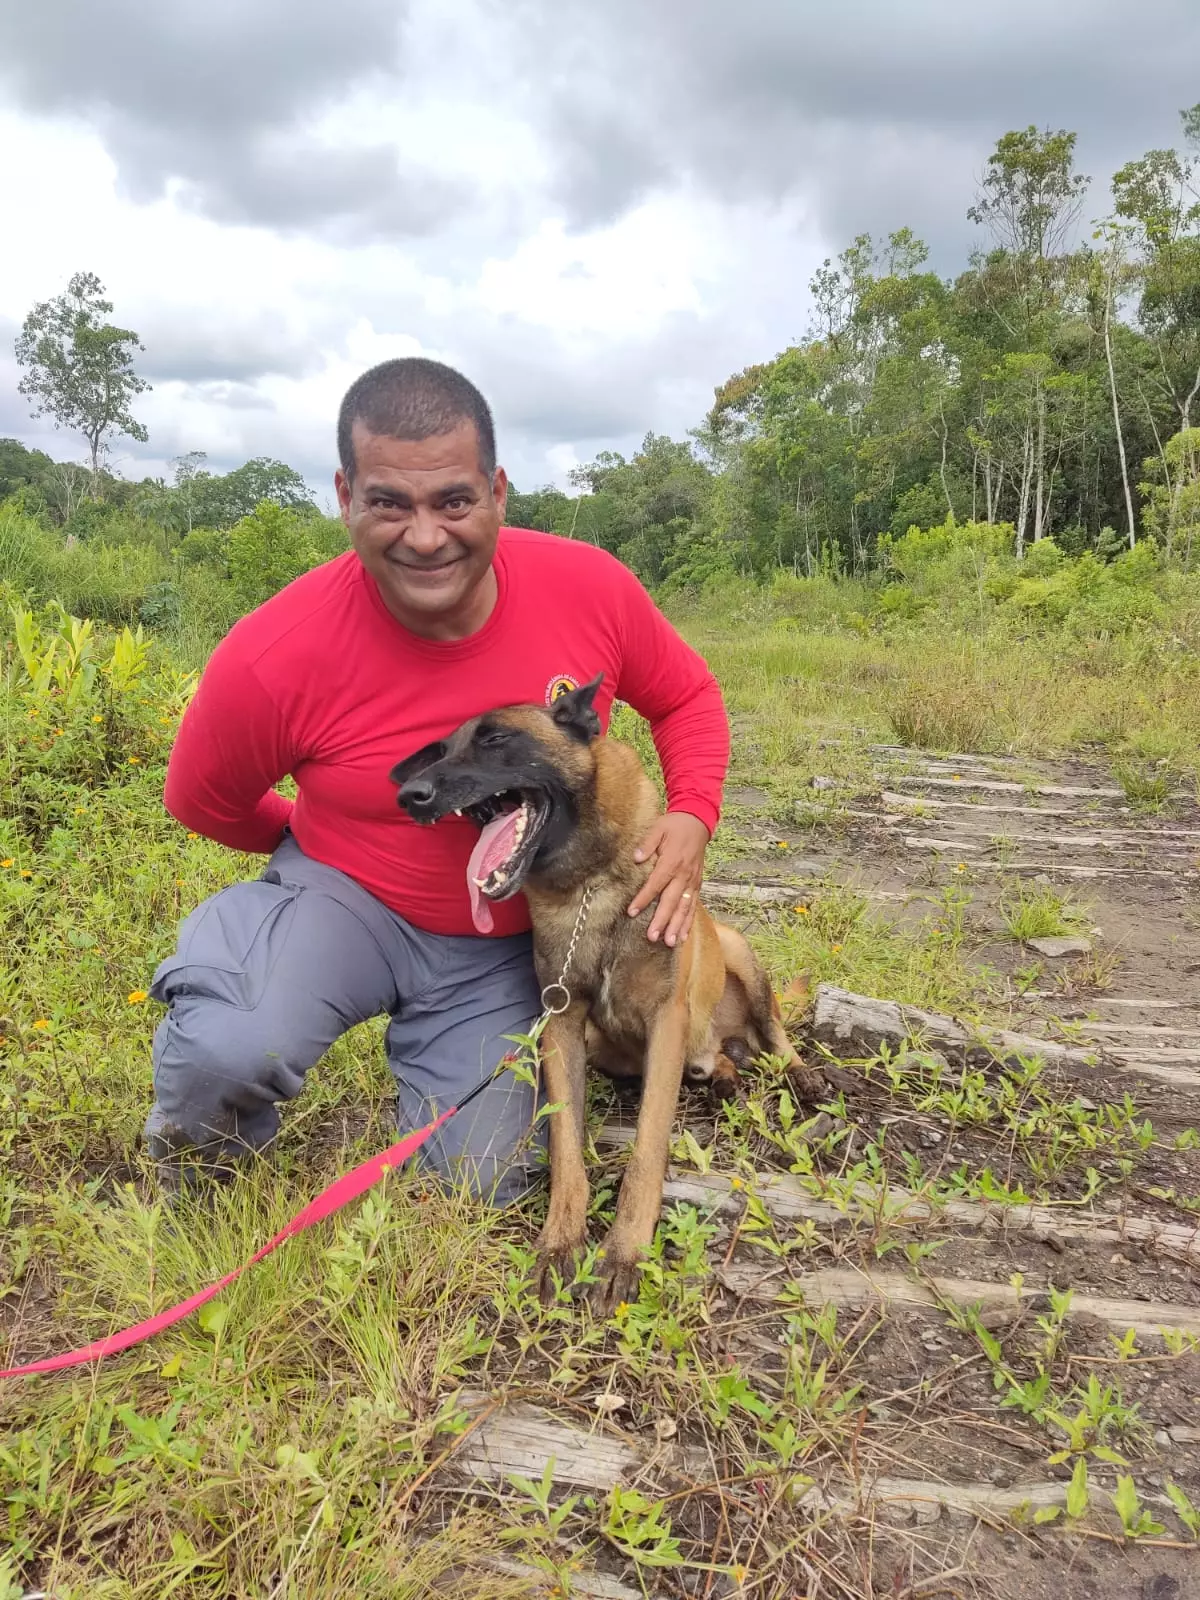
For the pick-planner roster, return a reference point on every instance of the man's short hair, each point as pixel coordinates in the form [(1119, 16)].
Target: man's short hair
[(413, 398)]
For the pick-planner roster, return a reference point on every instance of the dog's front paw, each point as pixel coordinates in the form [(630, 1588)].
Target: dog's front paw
[(616, 1283), (557, 1267)]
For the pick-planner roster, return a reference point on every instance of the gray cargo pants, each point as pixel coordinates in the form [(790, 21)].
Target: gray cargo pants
[(267, 974)]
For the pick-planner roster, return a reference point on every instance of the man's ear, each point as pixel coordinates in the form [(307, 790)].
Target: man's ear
[(417, 762), (574, 714)]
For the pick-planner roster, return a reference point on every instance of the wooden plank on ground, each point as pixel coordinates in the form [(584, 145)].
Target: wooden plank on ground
[(786, 1198), (957, 848), (521, 1438), (851, 1025), (844, 1287), (1060, 791)]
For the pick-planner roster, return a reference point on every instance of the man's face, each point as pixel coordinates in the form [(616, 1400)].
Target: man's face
[(424, 519)]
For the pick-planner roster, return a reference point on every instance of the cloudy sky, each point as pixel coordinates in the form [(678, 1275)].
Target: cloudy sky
[(598, 209)]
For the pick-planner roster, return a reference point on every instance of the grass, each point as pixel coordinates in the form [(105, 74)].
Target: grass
[(1147, 787), (941, 716), (941, 688), (1037, 911), (298, 1437)]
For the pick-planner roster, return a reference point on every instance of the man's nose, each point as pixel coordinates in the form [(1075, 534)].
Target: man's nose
[(424, 535)]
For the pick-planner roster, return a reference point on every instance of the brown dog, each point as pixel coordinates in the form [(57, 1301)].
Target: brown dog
[(562, 811)]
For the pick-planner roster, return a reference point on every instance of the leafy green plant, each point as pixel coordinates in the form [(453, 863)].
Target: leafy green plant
[(1135, 1519), (640, 1529)]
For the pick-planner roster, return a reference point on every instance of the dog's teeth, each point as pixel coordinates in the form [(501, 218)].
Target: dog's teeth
[(481, 883), (457, 812)]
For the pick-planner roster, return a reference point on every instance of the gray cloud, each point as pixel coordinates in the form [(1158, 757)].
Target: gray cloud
[(222, 97), (877, 114), (200, 348), (829, 119)]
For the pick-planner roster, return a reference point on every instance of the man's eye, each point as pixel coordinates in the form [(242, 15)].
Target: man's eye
[(457, 504)]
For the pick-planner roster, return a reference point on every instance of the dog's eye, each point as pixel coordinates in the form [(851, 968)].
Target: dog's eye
[(493, 736)]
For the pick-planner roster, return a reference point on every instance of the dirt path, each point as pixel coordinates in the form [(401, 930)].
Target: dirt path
[(973, 1226)]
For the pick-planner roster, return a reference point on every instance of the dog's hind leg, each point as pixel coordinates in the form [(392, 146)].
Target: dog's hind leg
[(763, 1015), (641, 1189), (717, 1070), (564, 1235)]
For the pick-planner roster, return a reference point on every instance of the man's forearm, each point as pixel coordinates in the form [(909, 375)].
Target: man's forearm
[(257, 832)]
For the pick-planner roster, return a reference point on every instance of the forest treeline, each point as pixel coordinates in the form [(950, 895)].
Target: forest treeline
[(1051, 387)]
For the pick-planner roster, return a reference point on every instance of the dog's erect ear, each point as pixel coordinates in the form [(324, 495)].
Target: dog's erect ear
[(574, 713), (417, 762)]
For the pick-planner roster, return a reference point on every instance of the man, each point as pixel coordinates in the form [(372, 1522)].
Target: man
[(436, 614)]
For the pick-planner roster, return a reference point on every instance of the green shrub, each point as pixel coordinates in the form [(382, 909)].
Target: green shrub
[(272, 546)]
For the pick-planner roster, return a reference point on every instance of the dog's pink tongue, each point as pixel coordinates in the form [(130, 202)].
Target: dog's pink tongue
[(492, 849)]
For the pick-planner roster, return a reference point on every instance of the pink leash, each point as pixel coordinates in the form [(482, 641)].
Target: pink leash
[(339, 1193)]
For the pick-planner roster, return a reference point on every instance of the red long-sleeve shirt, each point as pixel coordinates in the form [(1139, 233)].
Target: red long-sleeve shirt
[(323, 683)]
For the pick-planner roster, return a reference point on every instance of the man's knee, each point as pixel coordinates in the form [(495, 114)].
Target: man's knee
[(494, 1149), (219, 1073)]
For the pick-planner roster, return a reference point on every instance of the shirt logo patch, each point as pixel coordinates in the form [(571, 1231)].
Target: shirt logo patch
[(560, 685)]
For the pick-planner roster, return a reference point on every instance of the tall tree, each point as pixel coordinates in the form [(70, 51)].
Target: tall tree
[(1159, 195), (1029, 201), (186, 469), (78, 367)]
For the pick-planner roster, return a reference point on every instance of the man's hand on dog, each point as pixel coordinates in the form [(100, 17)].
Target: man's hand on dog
[(678, 842)]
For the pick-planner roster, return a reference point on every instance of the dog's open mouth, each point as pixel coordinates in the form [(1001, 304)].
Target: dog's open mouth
[(511, 825)]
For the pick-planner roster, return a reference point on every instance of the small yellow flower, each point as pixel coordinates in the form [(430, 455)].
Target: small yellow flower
[(136, 997), (836, 948), (736, 1183), (8, 862), (32, 712), (25, 872), (80, 811), (135, 761), (801, 911), (622, 1310), (164, 719), (58, 732), (179, 883), (42, 1022), (193, 835), (961, 867), (97, 718), (782, 845), (956, 778)]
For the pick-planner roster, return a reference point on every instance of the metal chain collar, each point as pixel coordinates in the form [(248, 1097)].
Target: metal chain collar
[(560, 988)]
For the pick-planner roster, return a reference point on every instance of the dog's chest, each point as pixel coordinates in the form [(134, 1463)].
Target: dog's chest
[(627, 992), (614, 968), (605, 1010)]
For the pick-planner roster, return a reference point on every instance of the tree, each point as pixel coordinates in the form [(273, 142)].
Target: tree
[(220, 501), (1113, 272), (187, 469), (273, 545), (1160, 197), (1029, 201), (1172, 492), (79, 368), (21, 468)]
